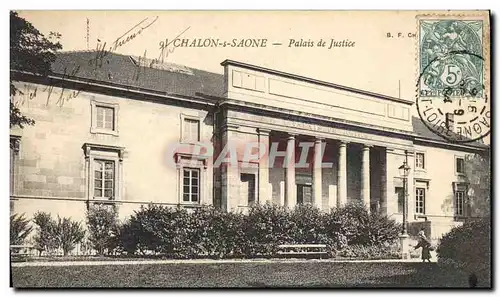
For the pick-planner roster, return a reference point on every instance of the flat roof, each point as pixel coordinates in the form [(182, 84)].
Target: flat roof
[(314, 81)]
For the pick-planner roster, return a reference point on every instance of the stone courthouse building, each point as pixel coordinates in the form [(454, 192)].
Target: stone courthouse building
[(108, 128)]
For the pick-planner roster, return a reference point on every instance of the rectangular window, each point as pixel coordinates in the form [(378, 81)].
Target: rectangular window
[(459, 203), (420, 200), (401, 196), (12, 170), (248, 181), (14, 157), (420, 161), (460, 165), (105, 117), (104, 179), (191, 130), (191, 185)]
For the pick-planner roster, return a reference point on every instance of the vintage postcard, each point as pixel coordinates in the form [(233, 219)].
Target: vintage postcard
[(250, 149)]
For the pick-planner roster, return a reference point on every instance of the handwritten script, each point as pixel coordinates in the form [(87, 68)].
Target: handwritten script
[(103, 50), (166, 48)]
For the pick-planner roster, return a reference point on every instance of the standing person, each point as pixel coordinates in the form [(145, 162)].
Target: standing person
[(425, 244)]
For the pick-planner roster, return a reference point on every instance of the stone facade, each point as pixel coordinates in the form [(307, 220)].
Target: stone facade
[(364, 137)]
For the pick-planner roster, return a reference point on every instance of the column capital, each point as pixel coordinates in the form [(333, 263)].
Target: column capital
[(291, 136), (367, 146), (319, 139), (343, 142), (263, 131)]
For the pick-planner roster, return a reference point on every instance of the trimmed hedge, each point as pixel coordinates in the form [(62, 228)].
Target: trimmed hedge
[(371, 252), (209, 232), (469, 247)]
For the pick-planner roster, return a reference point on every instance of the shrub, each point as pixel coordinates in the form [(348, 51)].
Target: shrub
[(102, 225), (469, 247), (46, 237), (371, 252), (310, 225), (215, 233), (20, 229), (363, 228), (156, 229), (135, 233), (69, 233), (264, 228), (209, 232)]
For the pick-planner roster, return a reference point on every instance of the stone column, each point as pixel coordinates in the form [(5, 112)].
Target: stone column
[(365, 177), (291, 187), (230, 178), (263, 182), (383, 183), (317, 173), (342, 175), (391, 171)]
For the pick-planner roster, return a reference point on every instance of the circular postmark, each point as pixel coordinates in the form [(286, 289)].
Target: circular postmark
[(451, 98)]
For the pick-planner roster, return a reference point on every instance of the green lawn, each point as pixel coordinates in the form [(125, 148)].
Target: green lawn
[(274, 274)]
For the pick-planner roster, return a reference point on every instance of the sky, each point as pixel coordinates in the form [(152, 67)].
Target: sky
[(375, 63)]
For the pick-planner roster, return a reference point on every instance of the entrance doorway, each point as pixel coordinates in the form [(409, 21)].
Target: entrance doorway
[(304, 194)]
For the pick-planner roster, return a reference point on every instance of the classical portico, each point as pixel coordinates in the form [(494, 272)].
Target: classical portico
[(350, 141)]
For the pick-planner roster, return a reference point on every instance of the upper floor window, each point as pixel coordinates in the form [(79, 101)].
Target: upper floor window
[(420, 201), (459, 203), (419, 161), (191, 130), (104, 118), (460, 165)]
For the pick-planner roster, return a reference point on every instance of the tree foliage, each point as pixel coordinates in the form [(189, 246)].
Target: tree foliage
[(46, 237), (20, 229), (30, 51), (478, 174), (103, 228)]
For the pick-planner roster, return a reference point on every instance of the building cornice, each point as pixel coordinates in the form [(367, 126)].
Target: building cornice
[(416, 139), (259, 108), (450, 145), (314, 81)]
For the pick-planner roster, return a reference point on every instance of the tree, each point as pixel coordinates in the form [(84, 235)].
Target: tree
[(46, 237), (69, 234), (30, 51), (478, 173), (20, 229), (102, 224)]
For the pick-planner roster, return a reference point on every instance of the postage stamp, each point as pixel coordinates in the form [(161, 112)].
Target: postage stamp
[(452, 90)]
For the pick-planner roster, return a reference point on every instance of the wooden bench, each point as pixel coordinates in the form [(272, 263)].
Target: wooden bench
[(19, 251), (307, 250)]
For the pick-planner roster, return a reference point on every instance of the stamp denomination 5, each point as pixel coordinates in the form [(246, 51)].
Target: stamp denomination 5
[(452, 94)]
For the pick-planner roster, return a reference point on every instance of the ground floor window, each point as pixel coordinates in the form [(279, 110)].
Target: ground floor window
[(248, 181), (104, 179), (103, 170), (459, 203), (420, 201), (191, 185), (401, 196)]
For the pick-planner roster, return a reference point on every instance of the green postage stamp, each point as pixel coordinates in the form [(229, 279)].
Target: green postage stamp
[(452, 94)]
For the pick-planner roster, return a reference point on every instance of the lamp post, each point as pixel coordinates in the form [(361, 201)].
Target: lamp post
[(404, 171)]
